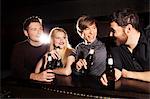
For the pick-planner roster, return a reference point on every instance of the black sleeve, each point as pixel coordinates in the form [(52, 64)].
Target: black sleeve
[(117, 59), (148, 45), (17, 64)]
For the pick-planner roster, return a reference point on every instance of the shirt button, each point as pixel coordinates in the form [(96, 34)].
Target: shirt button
[(133, 58)]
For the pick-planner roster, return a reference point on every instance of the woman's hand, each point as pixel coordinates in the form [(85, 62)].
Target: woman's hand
[(54, 54)]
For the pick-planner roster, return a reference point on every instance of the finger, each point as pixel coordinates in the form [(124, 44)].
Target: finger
[(117, 74), (79, 65), (50, 75), (84, 63), (49, 70), (48, 80), (104, 80), (54, 54)]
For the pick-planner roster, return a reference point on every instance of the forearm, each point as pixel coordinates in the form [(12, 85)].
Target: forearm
[(144, 76), (62, 71), (67, 69)]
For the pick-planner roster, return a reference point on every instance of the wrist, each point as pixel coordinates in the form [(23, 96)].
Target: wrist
[(129, 74), (33, 76)]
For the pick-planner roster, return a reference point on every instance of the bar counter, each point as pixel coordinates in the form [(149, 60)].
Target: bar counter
[(74, 87)]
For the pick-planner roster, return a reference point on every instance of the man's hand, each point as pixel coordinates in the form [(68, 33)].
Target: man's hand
[(104, 80), (46, 76), (117, 74), (80, 64)]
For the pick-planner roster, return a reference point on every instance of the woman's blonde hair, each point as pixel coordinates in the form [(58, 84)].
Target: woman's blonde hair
[(67, 50)]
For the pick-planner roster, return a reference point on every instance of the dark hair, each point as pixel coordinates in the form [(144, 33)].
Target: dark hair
[(126, 16), (29, 20), (83, 22)]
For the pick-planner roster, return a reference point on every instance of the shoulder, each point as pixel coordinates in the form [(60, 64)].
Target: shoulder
[(80, 45), (21, 44), (147, 31), (70, 50)]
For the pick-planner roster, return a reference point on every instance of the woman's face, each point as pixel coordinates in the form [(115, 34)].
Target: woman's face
[(59, 39)]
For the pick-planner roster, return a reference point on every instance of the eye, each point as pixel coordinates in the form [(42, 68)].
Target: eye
[(65, 37), (87, 29), (33, 29)]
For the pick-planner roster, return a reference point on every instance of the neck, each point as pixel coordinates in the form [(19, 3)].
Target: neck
[(133, 40), (35, 43), (88, 43)]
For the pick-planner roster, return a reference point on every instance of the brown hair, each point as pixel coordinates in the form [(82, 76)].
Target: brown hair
[(126, 16), (83, 22)]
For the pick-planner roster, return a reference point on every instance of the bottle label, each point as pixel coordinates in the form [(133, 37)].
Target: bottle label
[(91, 51), (49, 58), (110, 61)]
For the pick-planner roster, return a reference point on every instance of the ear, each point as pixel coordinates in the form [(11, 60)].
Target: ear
[(128, 28), (25, 33), (82, 35)]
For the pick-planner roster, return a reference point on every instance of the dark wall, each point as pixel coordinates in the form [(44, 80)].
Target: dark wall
[(63, 13)]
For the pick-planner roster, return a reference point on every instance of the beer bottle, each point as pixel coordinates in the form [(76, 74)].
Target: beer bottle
[(110, 73), (58, 62), (89, 60), (49, 62)]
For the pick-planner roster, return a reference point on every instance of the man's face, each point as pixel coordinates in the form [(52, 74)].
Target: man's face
[(34, 31), (89, 34), (119, 33)]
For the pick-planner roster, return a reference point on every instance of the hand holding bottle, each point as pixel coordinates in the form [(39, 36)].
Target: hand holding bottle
[(104, 79), (81, 64), (46, 76), (55, 54)]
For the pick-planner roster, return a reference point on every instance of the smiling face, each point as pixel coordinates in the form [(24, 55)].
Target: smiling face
[(89, 34), (119, 33), (59, 39)]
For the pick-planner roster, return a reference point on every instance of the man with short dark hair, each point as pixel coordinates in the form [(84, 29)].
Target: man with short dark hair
[(27, 53), (133, 54)]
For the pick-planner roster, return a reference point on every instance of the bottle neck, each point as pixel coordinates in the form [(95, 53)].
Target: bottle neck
[(91, 51)]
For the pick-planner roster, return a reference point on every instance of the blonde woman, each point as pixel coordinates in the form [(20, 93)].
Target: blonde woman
[(58, 38)]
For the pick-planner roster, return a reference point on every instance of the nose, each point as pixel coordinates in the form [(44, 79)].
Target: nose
[(40, 31), (61, 40), (91, 31)]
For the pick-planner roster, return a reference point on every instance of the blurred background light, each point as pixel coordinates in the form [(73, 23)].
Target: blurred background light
[(44, 38)]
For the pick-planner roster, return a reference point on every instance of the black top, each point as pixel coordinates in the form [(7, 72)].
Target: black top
[(100, 55), (25, 57), (138, 60)]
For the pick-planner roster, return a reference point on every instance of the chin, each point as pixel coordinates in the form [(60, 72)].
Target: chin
[(61, 47)]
